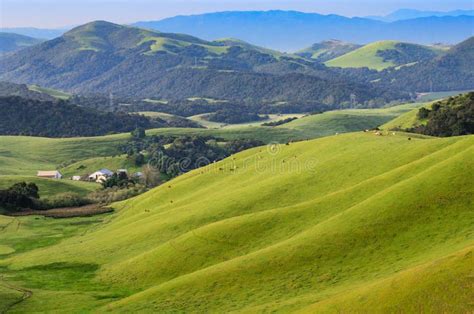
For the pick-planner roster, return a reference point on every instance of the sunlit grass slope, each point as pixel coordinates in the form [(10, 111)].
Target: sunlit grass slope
[(406, 120), (337, 221), (21, 155), (52, 92), (342, 121), (365, 56)]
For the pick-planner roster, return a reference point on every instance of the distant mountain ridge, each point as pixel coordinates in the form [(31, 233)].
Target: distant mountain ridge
[(406, 14), (10, 42), (292, 30), (35, 32), (102, 57)]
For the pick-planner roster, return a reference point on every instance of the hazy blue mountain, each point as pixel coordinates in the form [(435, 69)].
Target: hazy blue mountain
[(35, 32), (292, 31), (406, 14), (10, 42)]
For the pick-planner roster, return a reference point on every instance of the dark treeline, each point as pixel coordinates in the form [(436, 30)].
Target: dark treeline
[(452, 117), (407, 53), (20, 195), (235, 115), (280, 122), (59, 119), (187, 108)]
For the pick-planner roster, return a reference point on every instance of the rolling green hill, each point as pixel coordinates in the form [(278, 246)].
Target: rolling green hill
[(327, 50), (405, 121), (384, 54), (98, 57), (342, 223), (342, 121), (21, 155), (52, 92)]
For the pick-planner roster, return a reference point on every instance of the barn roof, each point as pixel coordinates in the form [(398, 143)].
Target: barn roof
[(48, 173)]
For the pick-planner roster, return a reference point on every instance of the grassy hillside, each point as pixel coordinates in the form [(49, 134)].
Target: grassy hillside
[(327, 50), (49, 187), (98, 57), (335, 223), (384, 54), (49, 91), (405, 121), (341, 121), (20, 155)]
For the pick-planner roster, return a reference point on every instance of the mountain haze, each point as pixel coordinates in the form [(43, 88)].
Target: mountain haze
[(406, 14)]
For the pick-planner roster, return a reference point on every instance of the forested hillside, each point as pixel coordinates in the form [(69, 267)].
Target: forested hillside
[(105, 58), (10, 42), (451, 117), (21, 116), (453, 70)]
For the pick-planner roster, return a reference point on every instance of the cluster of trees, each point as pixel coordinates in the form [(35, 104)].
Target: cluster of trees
[(25, 196), (407, 53), (235, 115), (120, 179), (22, 90), (22, 116), (452, 117), (172, 156), (18, 196), (279, 122)]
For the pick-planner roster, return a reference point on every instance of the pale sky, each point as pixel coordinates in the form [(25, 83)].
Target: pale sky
[(61, 13)]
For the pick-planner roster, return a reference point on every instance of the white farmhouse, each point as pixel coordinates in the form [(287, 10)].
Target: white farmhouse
[(101, 175)]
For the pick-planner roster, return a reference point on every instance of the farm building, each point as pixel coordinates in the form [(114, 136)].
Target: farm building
[(76, 178), (101, 175), (53, 174)]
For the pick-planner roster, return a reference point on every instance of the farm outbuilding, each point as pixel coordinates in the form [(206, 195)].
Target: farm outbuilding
[(53, 174)]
